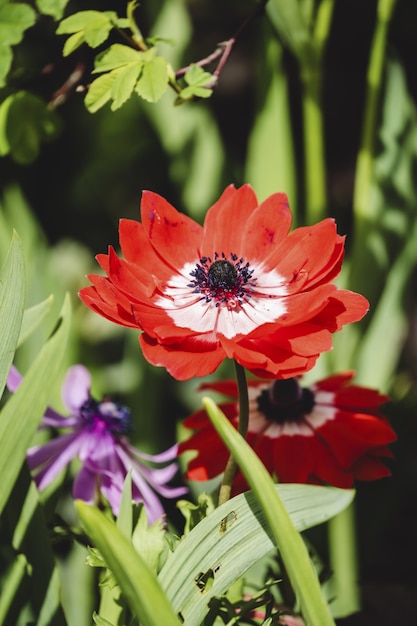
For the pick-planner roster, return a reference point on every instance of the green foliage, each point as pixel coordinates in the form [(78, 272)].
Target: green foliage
[(294, 553), (54, 8), (25, 121), (90, 27), (198, 81), (15, 18), (127, 70), (140, 586)]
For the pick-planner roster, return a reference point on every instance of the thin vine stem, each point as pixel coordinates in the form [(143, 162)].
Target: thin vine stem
[(231, 466)]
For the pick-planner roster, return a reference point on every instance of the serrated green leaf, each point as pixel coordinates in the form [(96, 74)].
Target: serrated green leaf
[(25, 121), (6, 58), (193, 92), (99, 92), (235, 536), (95, 26), (149, 541), (197, 76), (23, 411), (153, 81), (72, 43), (12, 291), (124, 84), (55, 8), (139, 585), (15, 18), (117, 56)]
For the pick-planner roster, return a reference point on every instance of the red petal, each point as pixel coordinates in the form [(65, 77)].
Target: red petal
[(173, 235), (181, 363), (267, 227), (224, 224)]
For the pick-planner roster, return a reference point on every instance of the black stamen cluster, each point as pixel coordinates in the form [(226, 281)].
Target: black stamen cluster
[(223, 279), (286, 401), (117, 417)]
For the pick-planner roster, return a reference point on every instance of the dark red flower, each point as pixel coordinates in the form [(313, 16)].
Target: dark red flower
[(240, 286), (329, 433)]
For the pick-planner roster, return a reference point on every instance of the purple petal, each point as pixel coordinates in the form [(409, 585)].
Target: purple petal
[(14, 379), (85, 485), (162, 457), (52, 419), (53, 457), (76, 387)]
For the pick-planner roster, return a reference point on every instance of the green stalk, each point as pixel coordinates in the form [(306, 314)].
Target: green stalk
[(311, 70), (363, 208), (231, 467), (293, 551), (344, 563)]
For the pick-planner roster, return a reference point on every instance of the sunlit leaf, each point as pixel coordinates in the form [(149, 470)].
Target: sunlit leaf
[(33, 317), (23, 411), (124, 84), (55, 8), (15, 18), (139, 585), (12, 293), (153, 81), (91, 27), (235, 536), (99, 92), (117, 56), (25, 121)]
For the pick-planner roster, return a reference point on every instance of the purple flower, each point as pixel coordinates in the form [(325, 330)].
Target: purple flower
[(96, 435)]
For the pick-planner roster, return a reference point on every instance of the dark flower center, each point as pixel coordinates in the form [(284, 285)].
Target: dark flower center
[(223, 280), (106, 415), (286, 401)]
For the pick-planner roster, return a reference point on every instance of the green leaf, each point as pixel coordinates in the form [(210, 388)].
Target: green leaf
[(139, 585), (153, 81), (15, 18), (124, 84), (12, 295), (99, 92), (91, 27), (197, 80), (72, 43), (149, 541), (290, 23), (55, 8), (117, 56), (234, 537), (25, 121), (23, 411), (33, 317), (100, 621), (287, 539)]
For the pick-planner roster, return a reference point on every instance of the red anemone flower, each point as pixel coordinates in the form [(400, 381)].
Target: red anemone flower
[(329, 433), (240, 286)]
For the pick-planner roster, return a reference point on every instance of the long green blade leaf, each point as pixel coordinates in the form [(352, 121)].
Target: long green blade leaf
[(12, 293), (23, 412), (139, 585), (286, 538), (232, 538)]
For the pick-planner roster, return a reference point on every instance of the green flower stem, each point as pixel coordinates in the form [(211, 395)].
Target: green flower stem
[(315, 172), (231, 467), (293, 551), (311, 69), (362, 204), (344, 562)]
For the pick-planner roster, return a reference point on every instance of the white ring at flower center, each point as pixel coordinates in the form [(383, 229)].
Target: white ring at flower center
[(189, 310)]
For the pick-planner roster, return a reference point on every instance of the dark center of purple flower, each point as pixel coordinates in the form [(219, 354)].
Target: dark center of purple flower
[(107, 415), (223, 280), (285, 401)]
